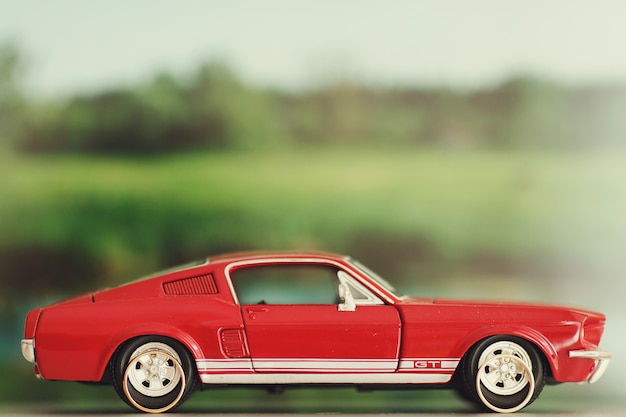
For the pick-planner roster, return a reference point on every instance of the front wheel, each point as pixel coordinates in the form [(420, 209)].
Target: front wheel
[(503, 374), (153, 374)]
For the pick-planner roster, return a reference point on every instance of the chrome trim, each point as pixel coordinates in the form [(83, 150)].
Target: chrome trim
[(601, 358), (28, 349), (590, 354)]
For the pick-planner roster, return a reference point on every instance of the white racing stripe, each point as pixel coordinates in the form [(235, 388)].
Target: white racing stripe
[(320, 378), (339, 365), (224, 365), (327, 371)]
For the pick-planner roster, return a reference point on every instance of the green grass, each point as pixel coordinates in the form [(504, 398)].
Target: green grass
[(463, 204)]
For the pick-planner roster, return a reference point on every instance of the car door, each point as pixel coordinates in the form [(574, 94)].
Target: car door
[(294, 323)]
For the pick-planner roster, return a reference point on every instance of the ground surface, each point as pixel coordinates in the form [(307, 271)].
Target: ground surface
[(527, 414), (557, 401)]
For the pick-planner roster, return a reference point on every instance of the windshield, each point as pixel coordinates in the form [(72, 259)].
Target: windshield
[(375, 277)]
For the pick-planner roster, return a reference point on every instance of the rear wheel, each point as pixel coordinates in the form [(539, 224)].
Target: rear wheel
[(503, 374), (154, 374)]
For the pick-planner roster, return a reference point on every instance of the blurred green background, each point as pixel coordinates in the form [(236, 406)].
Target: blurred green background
[(509, 188)]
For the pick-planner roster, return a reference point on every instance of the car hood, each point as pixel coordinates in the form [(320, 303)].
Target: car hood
[(482, 305)]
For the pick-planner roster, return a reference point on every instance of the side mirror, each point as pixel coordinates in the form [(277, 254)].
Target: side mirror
[(346, 301)]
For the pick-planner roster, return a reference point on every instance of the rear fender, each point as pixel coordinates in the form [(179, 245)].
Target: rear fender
[(146, 329)]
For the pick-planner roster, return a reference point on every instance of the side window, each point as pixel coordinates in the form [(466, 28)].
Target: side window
[(286, 284)]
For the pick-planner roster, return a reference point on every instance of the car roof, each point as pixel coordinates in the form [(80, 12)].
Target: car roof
[(254, 255)]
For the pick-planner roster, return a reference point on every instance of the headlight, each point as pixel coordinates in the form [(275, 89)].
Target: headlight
[(592, 333)]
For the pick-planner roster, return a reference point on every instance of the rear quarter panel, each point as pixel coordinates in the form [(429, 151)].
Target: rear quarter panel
[(76, 341)]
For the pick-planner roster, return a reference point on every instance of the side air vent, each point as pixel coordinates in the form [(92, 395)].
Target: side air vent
[(203, 284), (234, 343)]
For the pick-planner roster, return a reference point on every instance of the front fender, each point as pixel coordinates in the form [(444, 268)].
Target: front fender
[(528, 333)]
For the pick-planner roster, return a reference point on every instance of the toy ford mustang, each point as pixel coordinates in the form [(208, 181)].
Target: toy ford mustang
[(291, 319)]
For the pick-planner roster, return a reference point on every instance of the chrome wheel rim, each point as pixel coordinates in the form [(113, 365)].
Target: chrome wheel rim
[(524, 369), (171, 404), (503, 368), (154, 369)]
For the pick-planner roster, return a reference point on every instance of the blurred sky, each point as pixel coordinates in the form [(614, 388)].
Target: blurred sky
[(87, 44)]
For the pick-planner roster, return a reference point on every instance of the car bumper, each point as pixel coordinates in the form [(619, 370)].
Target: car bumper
[(601, 358), (28, 350)]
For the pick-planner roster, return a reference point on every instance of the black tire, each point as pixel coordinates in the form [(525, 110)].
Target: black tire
[(153, 373), (504, 381)]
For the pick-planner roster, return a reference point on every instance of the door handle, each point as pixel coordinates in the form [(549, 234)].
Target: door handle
[(253, 310)]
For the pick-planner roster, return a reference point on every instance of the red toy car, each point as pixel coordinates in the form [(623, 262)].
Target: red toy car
[(305, 318)]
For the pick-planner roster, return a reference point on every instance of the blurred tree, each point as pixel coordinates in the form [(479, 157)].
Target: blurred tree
[(231, 114), (212, 110), (12, 100), (528, 113)]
